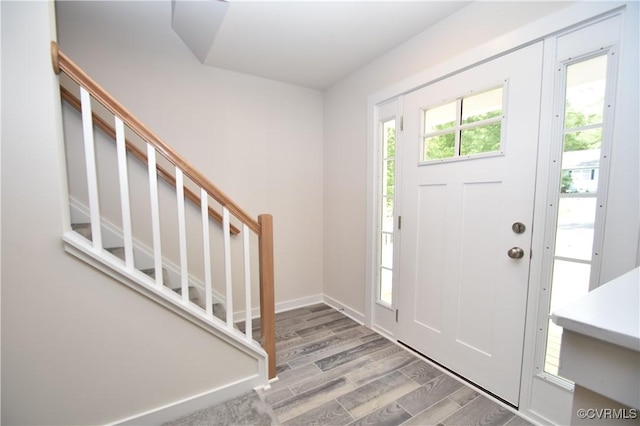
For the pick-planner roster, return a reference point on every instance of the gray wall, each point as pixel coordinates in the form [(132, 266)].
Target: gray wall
[(258, 140), (77, 347)]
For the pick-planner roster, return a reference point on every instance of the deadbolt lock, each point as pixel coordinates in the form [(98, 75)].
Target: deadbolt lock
[(518, 227)]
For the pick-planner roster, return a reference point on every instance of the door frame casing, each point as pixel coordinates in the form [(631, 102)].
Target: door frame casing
[(541, 400)]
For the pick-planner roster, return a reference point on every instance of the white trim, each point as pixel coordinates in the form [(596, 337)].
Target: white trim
[(340, 307), (248, 328), (288, 305), (530, 33), (121, 151), (204, 213), (155, 213), (182, 236), (91, 169), (177, 409), (227, 267), (384, 332), (303, 302)]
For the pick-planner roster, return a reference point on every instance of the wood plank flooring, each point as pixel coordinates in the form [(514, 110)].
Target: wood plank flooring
[(334, 371)]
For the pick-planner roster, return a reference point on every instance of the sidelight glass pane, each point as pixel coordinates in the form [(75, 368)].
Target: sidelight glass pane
[(586, 84), (438, 147), (580, 181), (386, 192), (585, 140), (574, 233), (440, 118), (387, 214), (570, 282), (386, 253), (581, 161), (389, 141), (388, 177), (386, 286), (482, 106), (480, 139)]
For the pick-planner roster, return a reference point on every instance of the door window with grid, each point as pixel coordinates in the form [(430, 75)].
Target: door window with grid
[(469, 126)]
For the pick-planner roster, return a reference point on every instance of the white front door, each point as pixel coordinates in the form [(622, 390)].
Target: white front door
[(469, 162)]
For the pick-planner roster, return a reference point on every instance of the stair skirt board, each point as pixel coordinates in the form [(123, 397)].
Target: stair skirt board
[(197, 402), (138, 281), (112, 237)]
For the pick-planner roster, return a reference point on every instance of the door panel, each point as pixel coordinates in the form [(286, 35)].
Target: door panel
[(462, 299), (431, 213)]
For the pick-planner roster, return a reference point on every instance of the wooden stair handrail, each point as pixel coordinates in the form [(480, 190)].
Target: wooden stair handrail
[(141, 156), (62, 63)]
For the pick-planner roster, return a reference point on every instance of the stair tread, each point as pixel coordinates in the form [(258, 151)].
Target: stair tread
[(193, 296), (152, 273), (117, 251), (83, 229)]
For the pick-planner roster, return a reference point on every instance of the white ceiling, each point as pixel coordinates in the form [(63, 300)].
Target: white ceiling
[(307, 43)]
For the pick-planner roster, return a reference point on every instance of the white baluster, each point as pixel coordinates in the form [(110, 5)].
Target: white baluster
[(124, 193), (155, 213), (182, 234), (204, 210), (247, 282), (90, 163), (227, 265)]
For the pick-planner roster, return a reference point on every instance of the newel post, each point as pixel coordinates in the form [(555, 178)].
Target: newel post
[(267, 295)]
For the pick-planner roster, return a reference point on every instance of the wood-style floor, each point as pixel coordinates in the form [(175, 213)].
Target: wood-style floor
[(334, 371)]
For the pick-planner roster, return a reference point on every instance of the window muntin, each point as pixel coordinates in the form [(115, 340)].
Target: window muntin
[(467, 127), (577, 200)]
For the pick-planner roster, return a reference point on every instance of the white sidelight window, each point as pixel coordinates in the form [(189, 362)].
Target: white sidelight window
[(386, 211), (579, 200)]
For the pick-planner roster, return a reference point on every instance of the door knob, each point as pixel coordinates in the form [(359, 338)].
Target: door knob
[(515, 253)]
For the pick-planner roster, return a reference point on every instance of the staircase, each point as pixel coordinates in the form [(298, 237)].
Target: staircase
[(142, 260), (219, 310)]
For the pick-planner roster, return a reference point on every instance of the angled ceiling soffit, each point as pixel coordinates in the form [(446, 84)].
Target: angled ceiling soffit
[(197, 23)]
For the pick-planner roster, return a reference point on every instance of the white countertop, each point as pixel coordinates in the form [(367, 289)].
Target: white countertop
[(610, 313)]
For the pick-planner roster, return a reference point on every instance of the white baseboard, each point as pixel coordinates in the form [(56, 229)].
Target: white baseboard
[(351, 313), (197, 402), (299, 303), (302, 302), (289, 305), (383, 332)]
